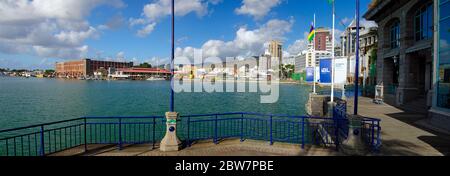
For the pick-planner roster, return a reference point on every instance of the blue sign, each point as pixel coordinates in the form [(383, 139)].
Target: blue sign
[(325, 70), (310, 74)]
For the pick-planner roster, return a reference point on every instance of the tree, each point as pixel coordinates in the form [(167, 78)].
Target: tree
[(145, 65), (287, 70), (49, 72)]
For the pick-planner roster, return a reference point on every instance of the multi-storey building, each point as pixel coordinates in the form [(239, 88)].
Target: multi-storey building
[(323, 47), (86, 67), (368, 43), (440, 110), (276, 50), (413, 52)]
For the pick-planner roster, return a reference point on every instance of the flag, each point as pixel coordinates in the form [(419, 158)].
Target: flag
[(311, 33), (330, 1)]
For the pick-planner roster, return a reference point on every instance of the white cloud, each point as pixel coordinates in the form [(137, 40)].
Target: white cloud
[(154, 12), (120, 56), (246, 42), (56, 28), (257, 8), (298, 46), (146, 30)]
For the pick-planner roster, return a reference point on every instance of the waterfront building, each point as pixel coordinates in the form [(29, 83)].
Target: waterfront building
[(138, 73), (300, 63), (405, 51), (368, 40), (440, 110), (289, 60), (86, 67)]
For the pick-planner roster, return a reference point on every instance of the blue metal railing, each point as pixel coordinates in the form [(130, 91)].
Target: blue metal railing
[(50, 138), (370, 127), (242, 125), (371, 133)]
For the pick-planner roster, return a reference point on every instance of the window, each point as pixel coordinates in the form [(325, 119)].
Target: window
[(444, 33), (423, 22), (353, 43), (443, 88), (395, 35)]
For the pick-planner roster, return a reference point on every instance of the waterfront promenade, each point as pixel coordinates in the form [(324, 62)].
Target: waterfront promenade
[(402, 135), (401, 131), (229, 147)]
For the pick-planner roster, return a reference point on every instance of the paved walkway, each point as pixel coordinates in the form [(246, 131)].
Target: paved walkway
[(230, 147), (401, 134)]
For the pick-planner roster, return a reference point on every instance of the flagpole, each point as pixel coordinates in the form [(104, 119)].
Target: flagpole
[(333, 55), (314, 53)]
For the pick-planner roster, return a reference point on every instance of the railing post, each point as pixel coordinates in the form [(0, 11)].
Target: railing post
[(120, 133), (337, 133), (271, 130), (373, 134), (85, 135), (42, 141), (303, 132), (378, 135), (154, 130), (188, 131), (215, 131), (242, 127)]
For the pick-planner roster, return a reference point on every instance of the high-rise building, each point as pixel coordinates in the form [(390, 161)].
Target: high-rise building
[(323, 47), (323, 40), (276, 50)]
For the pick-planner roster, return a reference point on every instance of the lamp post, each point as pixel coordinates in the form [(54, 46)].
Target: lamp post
[(357, 60), (170, 142)]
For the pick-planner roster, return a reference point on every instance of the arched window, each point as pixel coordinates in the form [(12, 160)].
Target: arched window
[(395, 35), (423, 22)]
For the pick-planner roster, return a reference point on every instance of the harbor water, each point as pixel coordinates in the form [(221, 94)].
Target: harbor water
[(32, 101)]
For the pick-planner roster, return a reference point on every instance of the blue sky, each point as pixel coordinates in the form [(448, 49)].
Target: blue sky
[(110, 29)]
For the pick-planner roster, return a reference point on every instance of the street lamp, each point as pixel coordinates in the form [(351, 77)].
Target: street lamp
[(171, 142), (357, 60)]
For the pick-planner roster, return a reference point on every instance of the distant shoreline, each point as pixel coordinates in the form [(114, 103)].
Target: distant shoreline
[(195, 80)]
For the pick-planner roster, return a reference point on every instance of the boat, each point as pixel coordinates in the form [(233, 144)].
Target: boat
[(156, 79)]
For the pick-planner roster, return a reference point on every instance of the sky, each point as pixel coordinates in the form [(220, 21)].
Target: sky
[(36, 34)]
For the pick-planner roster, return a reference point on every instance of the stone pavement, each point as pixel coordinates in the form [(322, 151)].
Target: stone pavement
[(231, 147), (401, 133)]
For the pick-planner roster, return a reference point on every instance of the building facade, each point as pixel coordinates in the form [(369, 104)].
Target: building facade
[(86, 67), (368, 41), (440, 111), (300, 63), (323, 47), (405, 50), (276, 50), (323, 40)]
